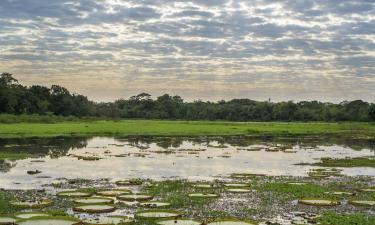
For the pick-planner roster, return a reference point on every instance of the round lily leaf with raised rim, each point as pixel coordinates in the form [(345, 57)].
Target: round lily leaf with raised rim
[(107, 220), (318, 202), (74, 194), (135, 197), (362, 202), (94, 208), (232, 222), (28, 215), (32, 204), (203, 195), (7, 220), (114, 192), (155, 204), (157, 214), (236, 185), (93, 201), (179, 222), (238, 190), (49, 221), (203, 186)]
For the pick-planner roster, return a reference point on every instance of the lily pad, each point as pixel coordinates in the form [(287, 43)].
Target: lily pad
[(340, 193), (32, 204), (28, 215), (367, 190), (298, 183), (114, 193), (135, 197), (74, 194), (204, 186), (246, 175), (94, 208), (203, 195), (157, 214), (179, 222), (155, 204), (7, 220), (129, 182), (48, 221), (362, 203), (232, 222), (318, 202), (93, 201), (235, 185), (107, 220), (238, 190)]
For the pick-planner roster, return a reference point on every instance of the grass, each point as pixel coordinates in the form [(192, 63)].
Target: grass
[(182, 128), (347, 162)]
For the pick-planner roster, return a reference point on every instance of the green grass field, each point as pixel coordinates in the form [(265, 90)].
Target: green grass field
[(182, 128)]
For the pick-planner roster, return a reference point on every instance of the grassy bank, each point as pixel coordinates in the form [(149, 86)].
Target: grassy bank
[(182, 128)]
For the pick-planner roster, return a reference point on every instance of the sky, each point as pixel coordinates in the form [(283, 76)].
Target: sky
[(198, 49)]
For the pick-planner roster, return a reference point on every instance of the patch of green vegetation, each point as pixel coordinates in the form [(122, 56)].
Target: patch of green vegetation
[(14, 155), (183, 128), (5, 207), (347, 162), (295, 191), (332, 218)]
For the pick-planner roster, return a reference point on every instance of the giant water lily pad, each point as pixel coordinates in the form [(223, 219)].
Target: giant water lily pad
[(48, 221), (135, 197), (113, 193), (129, 182), (362, 203), (93, 201), (236, 185), (74, 194), (32, 204), (108, 220), (7, 220), (157, 214), (340, 193), (28, 215), (367, 190), (203, 195), (155, 204), (179, 222), (246, 175), (94, 208), (232, 222), (238, 190), (203, 186), (318, 202)]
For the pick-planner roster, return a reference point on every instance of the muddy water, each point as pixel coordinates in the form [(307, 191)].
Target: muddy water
[(160, 158)]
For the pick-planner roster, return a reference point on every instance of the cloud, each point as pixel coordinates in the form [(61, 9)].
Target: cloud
[(260, 48)]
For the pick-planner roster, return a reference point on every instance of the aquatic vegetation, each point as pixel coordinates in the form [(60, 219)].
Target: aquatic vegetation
[(203, 186), (203, 195), (74, 194), (28, 215), (238, 190), (94, 208), (236, 185), (232, 222), (49, 221), (108, 220), (94, 200), (362, 202), (154, 204), (179, 222), (43, 203), (135, 197), (113, 192), (332, 218), (7, 220), (347, 162), (157, 214), (318, 202), (129, 182)]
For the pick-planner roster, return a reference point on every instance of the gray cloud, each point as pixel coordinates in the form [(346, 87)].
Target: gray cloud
[(214, 45)]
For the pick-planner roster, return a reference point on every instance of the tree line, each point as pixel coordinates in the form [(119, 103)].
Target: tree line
[(56, 100)]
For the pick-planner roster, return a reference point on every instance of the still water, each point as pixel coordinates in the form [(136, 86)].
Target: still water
[(162, 158)]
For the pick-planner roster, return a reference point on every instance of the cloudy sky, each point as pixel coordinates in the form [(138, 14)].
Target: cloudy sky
[(199, 49)]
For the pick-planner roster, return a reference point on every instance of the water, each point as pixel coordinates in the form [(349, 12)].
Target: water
[(188, 158)]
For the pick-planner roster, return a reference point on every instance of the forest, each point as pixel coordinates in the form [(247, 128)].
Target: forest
[(18, 99)]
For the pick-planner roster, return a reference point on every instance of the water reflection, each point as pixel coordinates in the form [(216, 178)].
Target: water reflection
[(163, 157)]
